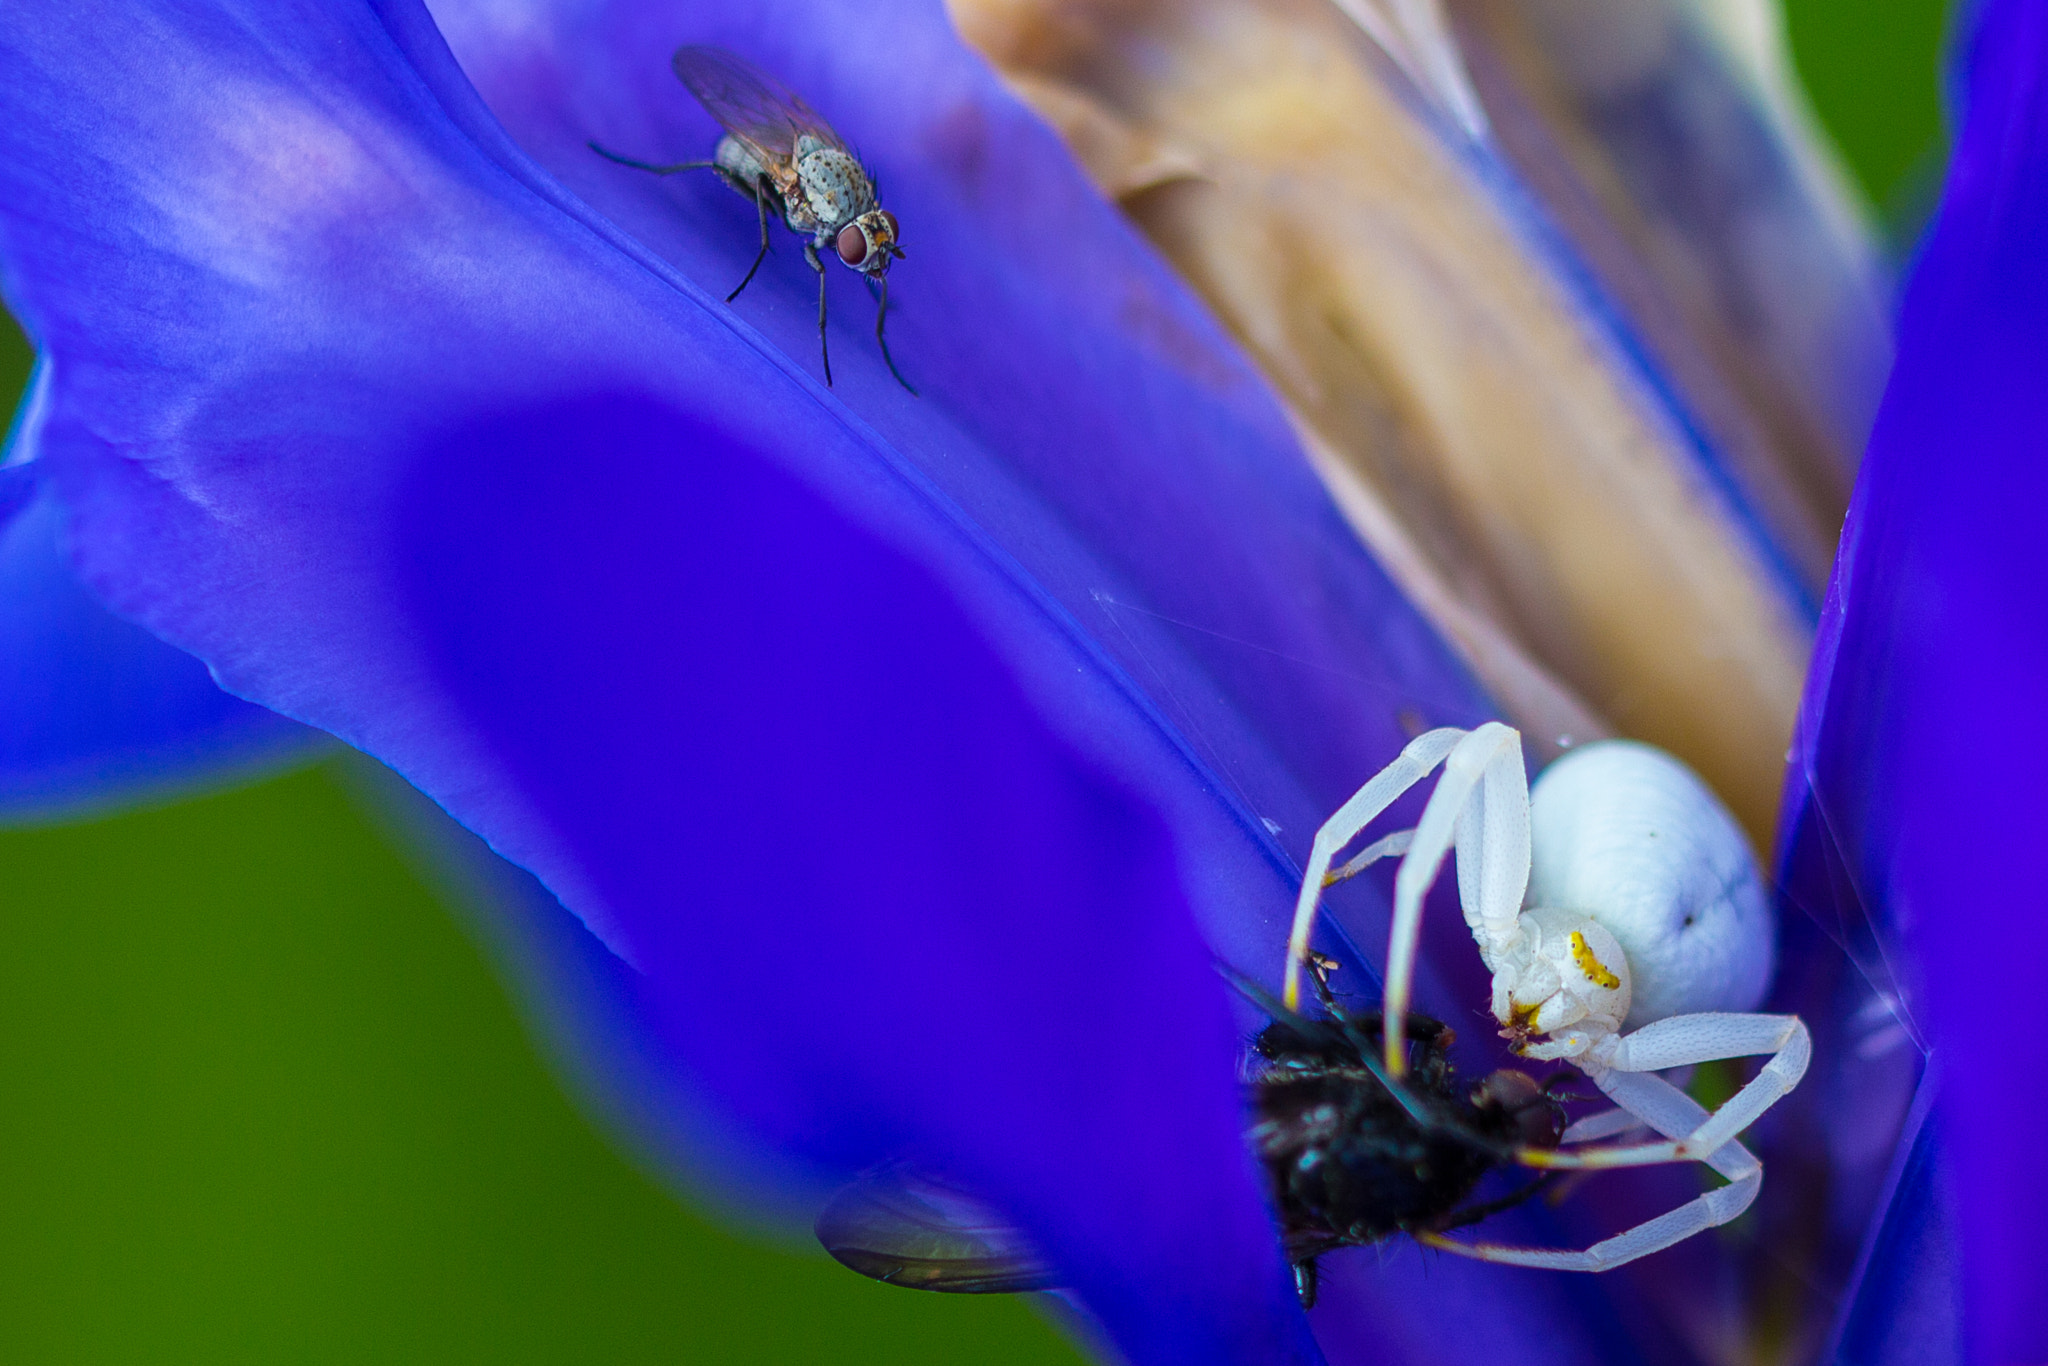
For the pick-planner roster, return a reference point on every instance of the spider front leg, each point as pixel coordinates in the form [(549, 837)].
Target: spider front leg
[(1481, 805), (1410, 767), (1670, 1111)]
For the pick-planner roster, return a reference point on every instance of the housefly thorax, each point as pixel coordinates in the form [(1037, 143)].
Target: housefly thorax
[(836, 188), (778, 153)]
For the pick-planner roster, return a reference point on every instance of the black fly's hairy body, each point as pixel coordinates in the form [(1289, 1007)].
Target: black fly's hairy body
[(1349, 1165), (1354, 1157)]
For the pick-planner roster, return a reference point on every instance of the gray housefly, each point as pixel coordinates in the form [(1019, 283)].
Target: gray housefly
[(778, 152), (1352, 1156)]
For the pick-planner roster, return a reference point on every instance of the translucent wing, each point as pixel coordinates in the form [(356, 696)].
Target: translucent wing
[(748, 102), (907, 1229)]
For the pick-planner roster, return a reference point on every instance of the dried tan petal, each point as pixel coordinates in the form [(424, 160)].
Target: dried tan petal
[(1506, 456), (1665, 141), (1551, 717), (1122, 158)]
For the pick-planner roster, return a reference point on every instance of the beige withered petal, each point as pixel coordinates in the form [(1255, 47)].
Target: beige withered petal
[(1328, 176), (1675, 154)]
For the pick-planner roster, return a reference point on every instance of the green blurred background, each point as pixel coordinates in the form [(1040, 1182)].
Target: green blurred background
[(262, 1100)]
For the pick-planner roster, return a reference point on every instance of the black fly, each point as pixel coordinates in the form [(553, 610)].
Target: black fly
[(779, 153), (1353, 1158)]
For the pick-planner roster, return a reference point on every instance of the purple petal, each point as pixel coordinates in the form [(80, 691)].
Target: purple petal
[(854, 858), (319, 235), (1918, 791), (1077, 408), (316, 327), (1906, 1309), (1071, 389), (96, 712), (242, 502)]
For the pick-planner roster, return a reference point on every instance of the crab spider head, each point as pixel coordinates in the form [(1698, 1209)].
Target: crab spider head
[(1628, 837), (1561, 985)]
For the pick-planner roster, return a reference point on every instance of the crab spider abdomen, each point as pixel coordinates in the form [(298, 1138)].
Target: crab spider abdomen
[(1626, 835)]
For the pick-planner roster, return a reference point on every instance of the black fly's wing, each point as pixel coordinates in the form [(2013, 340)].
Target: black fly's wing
[(749, 103), (895, 1225)]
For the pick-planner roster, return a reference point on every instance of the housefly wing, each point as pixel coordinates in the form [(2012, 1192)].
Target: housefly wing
[(895, 1225), (748, 102)]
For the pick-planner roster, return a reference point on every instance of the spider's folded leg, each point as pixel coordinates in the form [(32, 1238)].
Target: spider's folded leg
[(1674, 1226), (1682, 1040), (1671, 1112), (1606, 1124)]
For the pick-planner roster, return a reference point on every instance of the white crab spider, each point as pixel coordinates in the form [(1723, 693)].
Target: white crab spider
[(1644, 944)]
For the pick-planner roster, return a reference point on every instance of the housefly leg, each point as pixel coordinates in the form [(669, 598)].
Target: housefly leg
[(1472, 1214), (881, 316), (1305, 1282), (758, 193), (824, 351), (670, 169), (761, 190)]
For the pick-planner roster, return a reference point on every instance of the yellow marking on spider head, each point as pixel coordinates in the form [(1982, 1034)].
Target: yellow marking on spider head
[(1594, 969)]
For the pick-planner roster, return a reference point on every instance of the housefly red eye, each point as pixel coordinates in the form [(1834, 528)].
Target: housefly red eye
[(888, 221), (852, 245)]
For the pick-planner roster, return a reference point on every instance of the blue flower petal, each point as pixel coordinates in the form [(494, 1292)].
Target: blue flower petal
[(1907, 1307), (316, 329), (95, 712), (1071, 389), (885, 909), (1077, 407), (343, 275), (1918, 790)]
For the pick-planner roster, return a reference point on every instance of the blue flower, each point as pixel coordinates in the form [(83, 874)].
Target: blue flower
[(902, 763), (1920, 775), (98, 711)]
